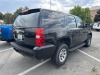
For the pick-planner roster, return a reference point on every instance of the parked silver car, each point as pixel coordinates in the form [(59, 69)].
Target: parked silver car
[(96, 26)]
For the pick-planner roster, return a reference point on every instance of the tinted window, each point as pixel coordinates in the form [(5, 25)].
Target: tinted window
[(52, 19), (79, 22), (27, 20), (71, 22)]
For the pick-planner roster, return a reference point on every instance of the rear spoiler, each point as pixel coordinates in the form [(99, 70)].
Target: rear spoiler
[(29, 11)]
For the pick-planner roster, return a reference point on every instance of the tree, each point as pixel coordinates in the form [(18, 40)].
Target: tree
[(8, 17), (16, 13), (77, 10), (83, 13), (87, 18), (1, 16), (97, 16)]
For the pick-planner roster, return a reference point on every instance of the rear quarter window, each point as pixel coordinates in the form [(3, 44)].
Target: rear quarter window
[(51, 19), (71, 23)]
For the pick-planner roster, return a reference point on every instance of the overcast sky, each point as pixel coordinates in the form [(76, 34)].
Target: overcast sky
[(61, 5)]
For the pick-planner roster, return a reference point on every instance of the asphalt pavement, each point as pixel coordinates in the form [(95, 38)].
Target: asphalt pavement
[(83, 61)]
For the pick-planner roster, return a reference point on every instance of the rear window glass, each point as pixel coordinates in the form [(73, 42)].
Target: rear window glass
[(27, 19)]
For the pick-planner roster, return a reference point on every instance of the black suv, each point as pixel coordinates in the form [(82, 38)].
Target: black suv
[(43, 34)]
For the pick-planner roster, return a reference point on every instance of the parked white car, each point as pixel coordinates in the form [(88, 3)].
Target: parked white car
[(96, 26)]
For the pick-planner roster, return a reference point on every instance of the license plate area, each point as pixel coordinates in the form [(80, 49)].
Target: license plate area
[(20, 37)]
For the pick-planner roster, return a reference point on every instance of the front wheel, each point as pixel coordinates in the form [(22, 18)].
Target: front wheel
[(61, 55), (88, 41)]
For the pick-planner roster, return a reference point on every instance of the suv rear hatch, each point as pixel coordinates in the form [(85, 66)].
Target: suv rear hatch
[(25, 28)]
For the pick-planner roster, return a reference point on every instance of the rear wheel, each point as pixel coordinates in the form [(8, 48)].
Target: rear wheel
[(88, 41), (61, 55)]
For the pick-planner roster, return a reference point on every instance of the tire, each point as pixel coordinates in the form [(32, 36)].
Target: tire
[(88, 41), (61, 55)]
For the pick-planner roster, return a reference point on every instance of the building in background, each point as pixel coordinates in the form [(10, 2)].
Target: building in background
[(94, 11)]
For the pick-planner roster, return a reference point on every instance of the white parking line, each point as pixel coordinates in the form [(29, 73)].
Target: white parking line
[(40, 64), (34, 67), (5, 49), (89, 55)]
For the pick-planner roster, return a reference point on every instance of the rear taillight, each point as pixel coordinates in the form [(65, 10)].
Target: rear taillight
[(0, 31), (40, 37)]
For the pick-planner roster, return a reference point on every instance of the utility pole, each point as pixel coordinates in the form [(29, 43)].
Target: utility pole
[(50, 4)]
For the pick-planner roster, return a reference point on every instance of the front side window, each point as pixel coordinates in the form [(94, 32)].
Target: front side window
[(71, 22)]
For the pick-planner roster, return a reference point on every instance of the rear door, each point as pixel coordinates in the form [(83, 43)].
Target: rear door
[(73, 30), (25, 26), (82, 30)]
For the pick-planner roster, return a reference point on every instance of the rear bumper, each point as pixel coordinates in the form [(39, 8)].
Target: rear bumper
[(43, 52)]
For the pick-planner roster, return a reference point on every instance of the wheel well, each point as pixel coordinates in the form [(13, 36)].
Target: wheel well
[(66, 41)]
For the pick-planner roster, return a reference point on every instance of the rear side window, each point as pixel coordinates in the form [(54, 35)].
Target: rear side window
[(27, 19), (52, 19), (71, 22)]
